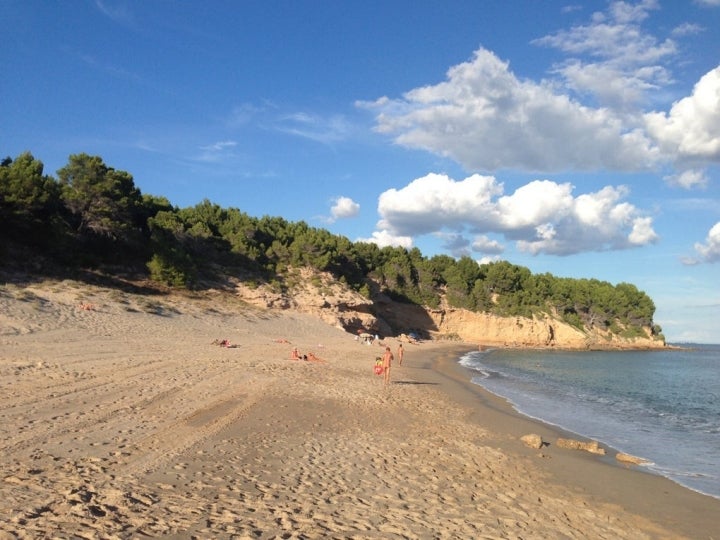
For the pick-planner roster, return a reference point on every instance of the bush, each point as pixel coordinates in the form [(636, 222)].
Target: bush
[(164, 271), (573, 319)]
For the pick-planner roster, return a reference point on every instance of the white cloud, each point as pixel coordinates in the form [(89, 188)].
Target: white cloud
[(385, 238), (710, 3), (488, 260), (642, 232), (483, 244), (542, 216), (688, 29), (421, 205), (537, 202), (485, 118), (597, 116), (689, 179), (612, 58), (709, 252), (596, 221), (344, 207), (691, 130)]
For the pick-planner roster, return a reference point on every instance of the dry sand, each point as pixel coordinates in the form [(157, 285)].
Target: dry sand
[(125, 421)]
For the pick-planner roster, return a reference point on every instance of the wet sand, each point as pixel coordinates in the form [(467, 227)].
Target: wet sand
[(600, 478)]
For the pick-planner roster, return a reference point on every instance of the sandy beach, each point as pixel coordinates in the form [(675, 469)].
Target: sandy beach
[(121, 417)]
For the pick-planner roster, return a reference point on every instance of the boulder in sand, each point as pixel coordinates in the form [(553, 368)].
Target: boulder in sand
[(627, 458), (593, 447), (532, 440)]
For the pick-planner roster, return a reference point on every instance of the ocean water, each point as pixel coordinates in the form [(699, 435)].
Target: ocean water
[(663, 406)]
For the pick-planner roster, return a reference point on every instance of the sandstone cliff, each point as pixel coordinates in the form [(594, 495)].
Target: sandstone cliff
[(321, 295)]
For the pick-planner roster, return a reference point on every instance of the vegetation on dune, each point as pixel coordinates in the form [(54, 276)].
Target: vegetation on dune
[(94, 216)]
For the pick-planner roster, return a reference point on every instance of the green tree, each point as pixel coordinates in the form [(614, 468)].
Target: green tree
[(30, 205), (460, 277), (103, 201), (25, 193)]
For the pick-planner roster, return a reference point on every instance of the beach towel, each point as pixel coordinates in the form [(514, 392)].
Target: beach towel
[(378, 366)]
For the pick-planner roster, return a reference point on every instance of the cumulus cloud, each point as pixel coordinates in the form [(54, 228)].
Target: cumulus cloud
[(483, 244), (691, 129), (485, 118), (344, 207), (688, 179), (541, 216), (386, 238), (708, 252), (540, 201), (418, 207), (597, 114)]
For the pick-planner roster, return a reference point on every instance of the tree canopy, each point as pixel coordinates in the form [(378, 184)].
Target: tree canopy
[(94, 215)]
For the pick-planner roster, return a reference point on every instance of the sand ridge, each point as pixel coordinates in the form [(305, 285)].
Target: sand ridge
[(119, 418)]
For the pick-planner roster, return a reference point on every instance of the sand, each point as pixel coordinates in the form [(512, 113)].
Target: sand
[(119, 418)]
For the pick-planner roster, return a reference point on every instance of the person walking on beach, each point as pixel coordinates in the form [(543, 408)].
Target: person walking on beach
[(400, 353), (387, 363)]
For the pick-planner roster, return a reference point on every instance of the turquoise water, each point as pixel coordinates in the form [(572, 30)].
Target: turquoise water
[(663, 406)]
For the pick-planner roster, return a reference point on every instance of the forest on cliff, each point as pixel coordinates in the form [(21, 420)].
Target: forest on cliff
[(93, 216)]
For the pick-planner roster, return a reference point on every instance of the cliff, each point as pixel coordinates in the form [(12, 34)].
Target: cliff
[(321, 295)]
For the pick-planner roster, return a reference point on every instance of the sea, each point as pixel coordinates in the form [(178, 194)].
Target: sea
[(663, 406)]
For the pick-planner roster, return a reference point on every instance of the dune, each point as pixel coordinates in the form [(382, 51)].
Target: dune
[(121, 416)]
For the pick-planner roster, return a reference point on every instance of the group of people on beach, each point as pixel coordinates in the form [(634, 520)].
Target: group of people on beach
[(309, 357), (385, 362)]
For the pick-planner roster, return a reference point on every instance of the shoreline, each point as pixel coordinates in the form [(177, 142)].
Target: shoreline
[(602, 478), (128, 419)]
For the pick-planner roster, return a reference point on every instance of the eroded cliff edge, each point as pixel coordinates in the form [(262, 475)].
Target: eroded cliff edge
[(320, 295)]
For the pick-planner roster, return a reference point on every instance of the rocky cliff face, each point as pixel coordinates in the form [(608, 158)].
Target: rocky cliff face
[(323, 296), (318, 294), (537, 332)]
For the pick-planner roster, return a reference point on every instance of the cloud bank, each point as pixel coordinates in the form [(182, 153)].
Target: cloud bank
[(486, 119), (540, 217), (595, 114), (596, 111)]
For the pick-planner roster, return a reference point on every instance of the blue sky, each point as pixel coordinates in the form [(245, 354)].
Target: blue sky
[(577, 138)]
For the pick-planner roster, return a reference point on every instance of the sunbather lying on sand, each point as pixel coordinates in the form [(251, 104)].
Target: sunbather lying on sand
[(312, 358), (224, 343)]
